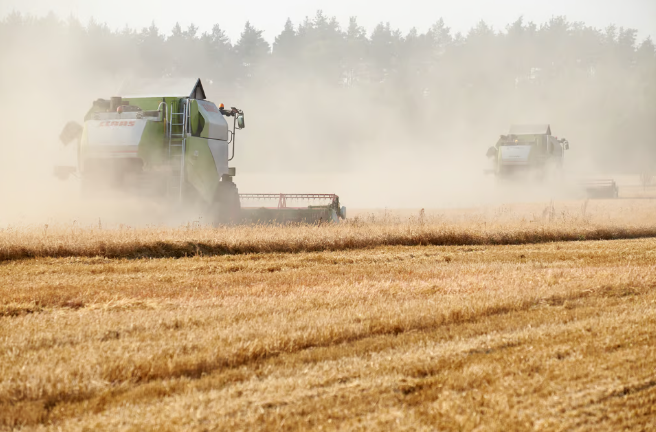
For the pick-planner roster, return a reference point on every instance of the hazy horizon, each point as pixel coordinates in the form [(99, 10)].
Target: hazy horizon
[(270, 17), (381, 119)]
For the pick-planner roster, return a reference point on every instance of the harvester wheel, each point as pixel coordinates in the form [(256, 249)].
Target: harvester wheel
[(226, 208)]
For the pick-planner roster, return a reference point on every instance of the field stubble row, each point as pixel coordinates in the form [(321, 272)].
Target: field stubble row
[(503, 225), (554, 336)]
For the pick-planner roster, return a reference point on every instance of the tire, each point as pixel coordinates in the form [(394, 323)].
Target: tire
[(226, 208)]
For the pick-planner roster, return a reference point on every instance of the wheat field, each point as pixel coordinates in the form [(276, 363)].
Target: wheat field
[(504, 225), (527, 333)]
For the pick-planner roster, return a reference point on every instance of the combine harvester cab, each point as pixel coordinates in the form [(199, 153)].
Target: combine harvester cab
[(173, 149)]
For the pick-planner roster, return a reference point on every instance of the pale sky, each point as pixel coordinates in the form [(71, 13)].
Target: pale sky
[(270, 15)]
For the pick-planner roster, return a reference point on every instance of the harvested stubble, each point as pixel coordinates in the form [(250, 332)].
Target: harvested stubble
[(552, 336), (61, 241)]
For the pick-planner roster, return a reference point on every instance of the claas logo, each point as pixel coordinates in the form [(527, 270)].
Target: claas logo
[(117, 123)]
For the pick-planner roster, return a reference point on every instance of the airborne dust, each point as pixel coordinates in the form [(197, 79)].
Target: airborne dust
[(402, 128)]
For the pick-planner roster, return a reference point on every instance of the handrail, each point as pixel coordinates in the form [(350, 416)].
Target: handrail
[(159, 108)]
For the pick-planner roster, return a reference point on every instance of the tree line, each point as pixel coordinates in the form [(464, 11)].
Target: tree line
[(433, 89)]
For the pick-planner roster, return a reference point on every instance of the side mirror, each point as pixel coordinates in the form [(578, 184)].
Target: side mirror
[(240, 121), (565, 143), (491, 152), (71, 132)]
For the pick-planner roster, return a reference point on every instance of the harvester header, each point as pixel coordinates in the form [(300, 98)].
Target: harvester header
[(325, 207)]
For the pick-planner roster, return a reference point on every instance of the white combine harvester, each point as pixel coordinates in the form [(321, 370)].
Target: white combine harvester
[(530, 153)]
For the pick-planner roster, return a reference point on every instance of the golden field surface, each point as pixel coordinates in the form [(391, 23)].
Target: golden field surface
[(497, 225), (374, 325)]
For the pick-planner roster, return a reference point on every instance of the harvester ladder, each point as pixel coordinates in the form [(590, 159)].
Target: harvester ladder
[(177, 128)]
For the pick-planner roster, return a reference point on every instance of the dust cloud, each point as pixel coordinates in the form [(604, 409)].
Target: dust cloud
[(375, 146)]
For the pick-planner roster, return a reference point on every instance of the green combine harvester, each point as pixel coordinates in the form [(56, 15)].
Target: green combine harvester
[(528, 151), (176, 149), (532, 153)]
